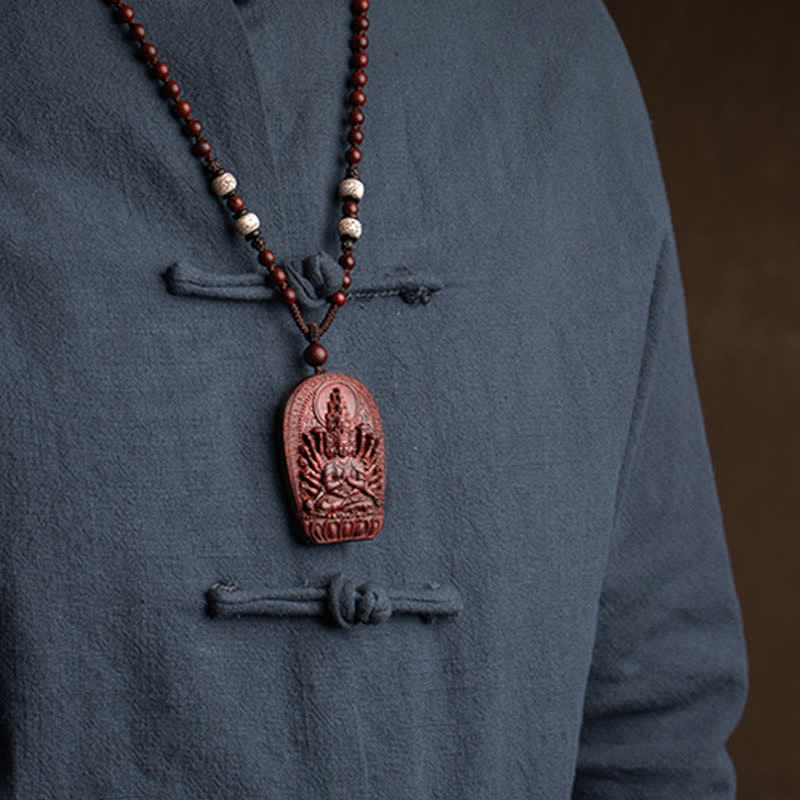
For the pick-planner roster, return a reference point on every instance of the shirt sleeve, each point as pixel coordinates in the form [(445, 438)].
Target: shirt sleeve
[(668, 676)]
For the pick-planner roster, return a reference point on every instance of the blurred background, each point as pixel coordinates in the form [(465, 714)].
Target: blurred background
[(722, 83)]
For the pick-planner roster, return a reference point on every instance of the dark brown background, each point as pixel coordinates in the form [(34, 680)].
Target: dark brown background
[(722, 84)]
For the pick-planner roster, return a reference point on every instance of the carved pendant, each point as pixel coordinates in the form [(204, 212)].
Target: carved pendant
[(333, 442)]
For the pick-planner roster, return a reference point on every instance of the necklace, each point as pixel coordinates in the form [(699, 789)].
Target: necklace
[(332, 431)]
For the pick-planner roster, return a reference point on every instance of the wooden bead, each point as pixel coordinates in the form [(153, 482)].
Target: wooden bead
[(266, 257), (223, 184), (350, 208), (202, 148), (147, 52), (161, 70), (356, 136), (124, 14), (349, 226), (347, 260), (277, 277), (182, 108), (359, 60), (192, 127), (353, 155), (289, 296), (351, 188), (357, 98), (359, 42), (356, 116), (339, 298), (346, 281), (247, 223), (360, 6), (359, 78), (172, 89), (315, 354), (137, 32), (360, 23)]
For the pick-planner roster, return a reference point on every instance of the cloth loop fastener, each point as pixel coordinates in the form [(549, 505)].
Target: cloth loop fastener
[(314, 278), (341, 600), (348, 604)]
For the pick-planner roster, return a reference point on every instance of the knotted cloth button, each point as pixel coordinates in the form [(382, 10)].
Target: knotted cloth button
[(348, 604)]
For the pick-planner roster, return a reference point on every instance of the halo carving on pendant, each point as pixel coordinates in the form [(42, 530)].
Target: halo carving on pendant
[(335, 459)]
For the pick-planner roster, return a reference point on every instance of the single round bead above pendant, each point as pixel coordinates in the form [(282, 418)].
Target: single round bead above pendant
[(315, 354)]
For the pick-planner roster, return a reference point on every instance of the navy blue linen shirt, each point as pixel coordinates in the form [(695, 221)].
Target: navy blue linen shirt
[(521, 325)]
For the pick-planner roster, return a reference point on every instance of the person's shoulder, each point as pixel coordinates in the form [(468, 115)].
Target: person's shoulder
[(561, 73)]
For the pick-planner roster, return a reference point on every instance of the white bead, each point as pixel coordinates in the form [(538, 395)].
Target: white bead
[(247, 223), (349, 226), (350, 187), (223, 184)]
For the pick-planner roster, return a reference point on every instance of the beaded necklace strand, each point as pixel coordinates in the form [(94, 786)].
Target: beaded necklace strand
[(332, 430), (223, 184)]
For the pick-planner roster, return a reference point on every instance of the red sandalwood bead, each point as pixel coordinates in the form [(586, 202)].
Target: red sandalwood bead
[(193, 127), (353, 155), (346, 280), (201, 148), (339, 298), (171, 89), (161, 70), (236, 202), (359, 60), (267, 258), (124, 14), (147, 52), (137, 32), (359, 78), (360, 6), (350, 208), (356, 136), (356, 117), (360, 23), (359, 42), (182, 108), (315, 354), (278, 277), (347, 260), (289, 296), (357, 98)]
